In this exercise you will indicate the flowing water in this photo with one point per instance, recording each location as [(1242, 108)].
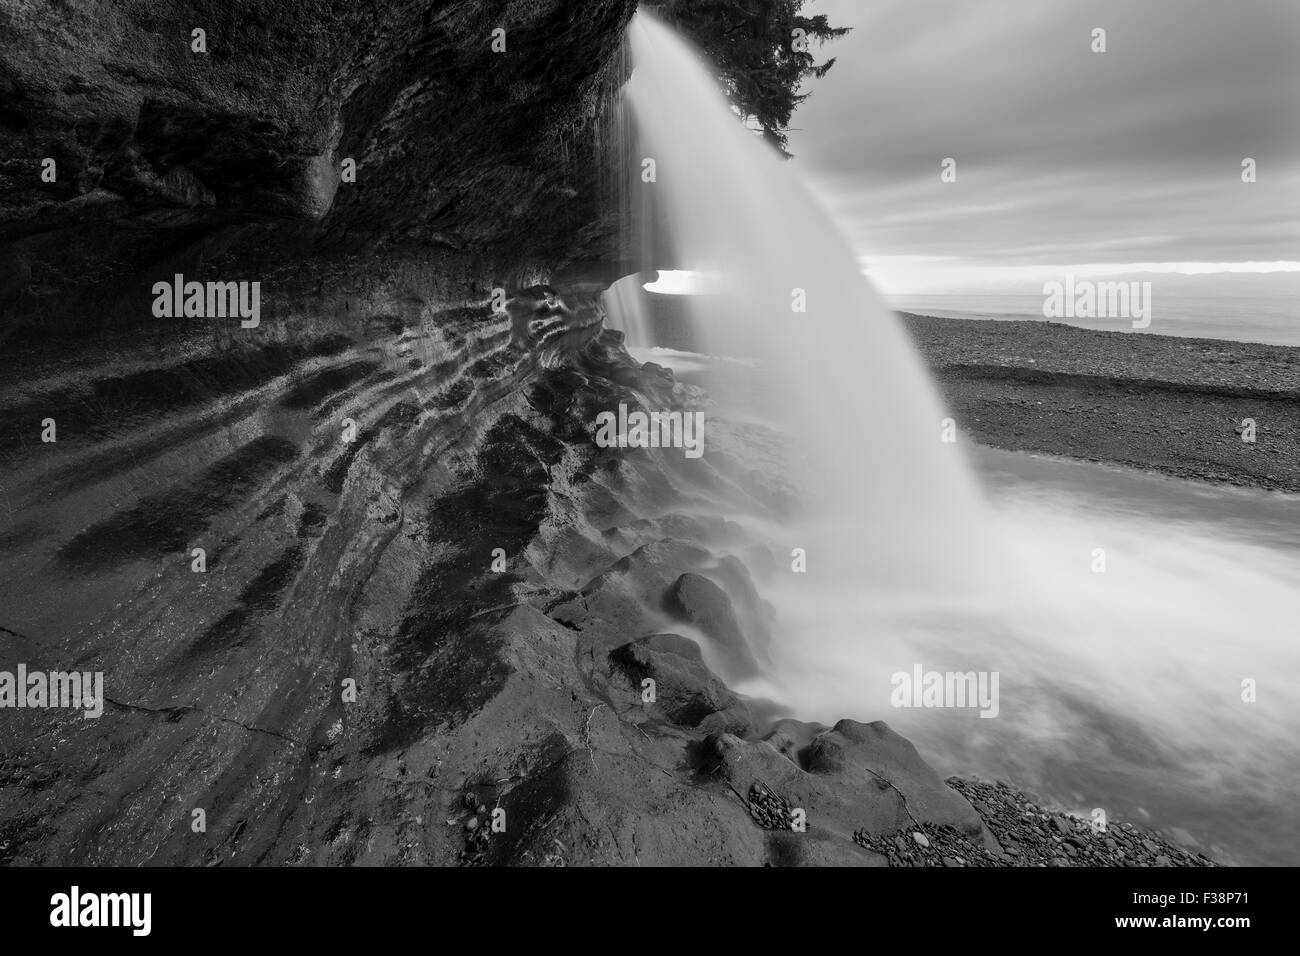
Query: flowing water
[(893, 499), (1122, 613)]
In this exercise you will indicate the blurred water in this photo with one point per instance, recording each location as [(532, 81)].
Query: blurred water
[(625, 309), (880, 488), (1119, 688)]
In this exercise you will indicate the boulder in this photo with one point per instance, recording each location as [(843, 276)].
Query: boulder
[(873, 756), (791, 738), (686, 691), (698, 601)]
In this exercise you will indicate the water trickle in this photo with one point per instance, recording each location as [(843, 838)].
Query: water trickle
[(626, 311)]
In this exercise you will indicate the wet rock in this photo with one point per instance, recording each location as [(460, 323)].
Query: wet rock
[(792, 737), (873, 756), (686, 691), (753, 614), (698, 601), (624, 597), (721, 744)]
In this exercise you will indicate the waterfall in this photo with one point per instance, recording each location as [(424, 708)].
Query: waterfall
[(1121, 685), (887, 502)]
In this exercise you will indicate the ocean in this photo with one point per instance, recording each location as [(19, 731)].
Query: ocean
[(1271, 320)]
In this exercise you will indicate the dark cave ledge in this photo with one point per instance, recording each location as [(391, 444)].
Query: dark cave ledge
[(474, 168), (369, 560)]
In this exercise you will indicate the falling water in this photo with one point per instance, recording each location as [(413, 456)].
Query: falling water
[(1119, 689), (896, 536), (894, 500), (625, 306)]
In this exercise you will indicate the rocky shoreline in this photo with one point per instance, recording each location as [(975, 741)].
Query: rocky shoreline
[(362, 587), (1161, 403), (500, 714), (1029, 835)]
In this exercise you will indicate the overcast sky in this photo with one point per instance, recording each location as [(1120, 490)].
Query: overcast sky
[(1064, 157)]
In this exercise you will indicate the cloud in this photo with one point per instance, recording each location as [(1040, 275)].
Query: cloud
[(1063, 155)]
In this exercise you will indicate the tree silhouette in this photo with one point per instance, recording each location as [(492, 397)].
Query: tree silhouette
[(761, 50)]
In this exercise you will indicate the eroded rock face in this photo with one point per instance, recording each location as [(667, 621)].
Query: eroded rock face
[(355, 678), (358, 577), (229, 163)]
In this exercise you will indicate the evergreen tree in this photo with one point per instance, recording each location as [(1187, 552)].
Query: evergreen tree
[(762, 51)]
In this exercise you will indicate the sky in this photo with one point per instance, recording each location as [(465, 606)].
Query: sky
[(1064, 158)]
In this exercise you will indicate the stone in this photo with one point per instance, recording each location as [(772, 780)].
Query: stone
[(686, 691), (698, 601), (873, 755)]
